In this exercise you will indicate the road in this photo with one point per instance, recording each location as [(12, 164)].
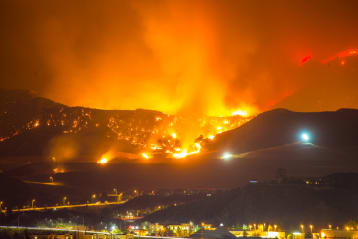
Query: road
[(107, 234), (97, 204)]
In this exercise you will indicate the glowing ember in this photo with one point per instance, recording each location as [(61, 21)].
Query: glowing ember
[(37, 123), (145, 155), (242, 113), (340, 55), (182, 154), (305, 59), (103, 160)]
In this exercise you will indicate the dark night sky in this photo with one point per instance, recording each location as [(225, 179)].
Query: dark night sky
[(171, 55)]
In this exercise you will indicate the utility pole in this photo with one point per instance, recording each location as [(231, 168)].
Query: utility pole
[(18, 220)]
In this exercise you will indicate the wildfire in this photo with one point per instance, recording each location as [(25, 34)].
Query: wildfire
[(242, 113), (145, 155), (340, 55), (305, 59), (184, 153), (103, 160)]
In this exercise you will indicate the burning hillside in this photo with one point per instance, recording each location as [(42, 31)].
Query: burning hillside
[(142, 133)]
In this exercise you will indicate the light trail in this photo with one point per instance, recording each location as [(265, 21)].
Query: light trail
[(162, 237), (54, 229), (68, 206), (83, 231)]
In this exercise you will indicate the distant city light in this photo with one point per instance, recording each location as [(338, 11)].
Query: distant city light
[(226, 156), (221, 224)]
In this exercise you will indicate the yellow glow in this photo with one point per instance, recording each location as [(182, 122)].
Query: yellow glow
[(103, 160), (272, 234), (58, 170), (145, 155), (242, 113), (211, 137), (227, 156), (182, 154), (174, 135)]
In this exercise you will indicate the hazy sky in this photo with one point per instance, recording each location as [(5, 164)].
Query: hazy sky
[(207, 57)]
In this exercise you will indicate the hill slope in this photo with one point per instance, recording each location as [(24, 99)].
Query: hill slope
[(288, 205), (335, 130)]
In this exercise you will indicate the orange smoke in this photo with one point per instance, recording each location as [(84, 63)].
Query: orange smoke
[(169, 66), (202, 57)]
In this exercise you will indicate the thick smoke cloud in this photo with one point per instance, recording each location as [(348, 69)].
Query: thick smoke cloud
[(202, 56)]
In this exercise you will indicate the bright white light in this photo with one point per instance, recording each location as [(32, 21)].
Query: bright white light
[(242, 113), (102, 161), (211, 137), (226, 156), (305, 137), (113, 227), (272, 234), (145, 155), (221, 224)]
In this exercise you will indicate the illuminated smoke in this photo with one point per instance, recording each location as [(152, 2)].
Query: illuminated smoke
[(199, 57)]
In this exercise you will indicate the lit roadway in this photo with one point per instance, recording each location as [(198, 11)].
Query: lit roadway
[(97, 204), (52, 229), (84, 232)]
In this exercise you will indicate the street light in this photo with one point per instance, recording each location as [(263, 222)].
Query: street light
[(305, 137), (226, 156), (311, 227), (64, 200), (302, 227)]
